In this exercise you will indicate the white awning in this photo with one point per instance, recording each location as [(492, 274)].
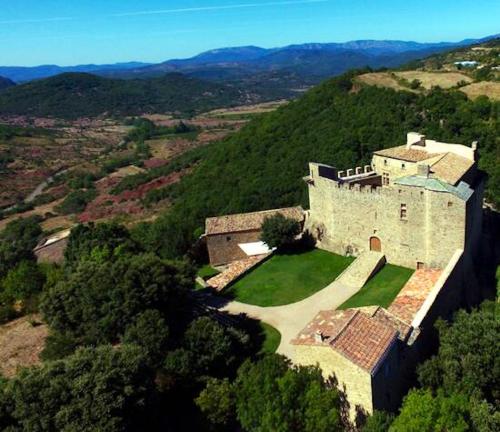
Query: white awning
[(256, 248)]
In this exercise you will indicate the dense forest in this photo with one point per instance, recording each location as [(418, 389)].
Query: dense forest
[(73, 95), (262, 166)]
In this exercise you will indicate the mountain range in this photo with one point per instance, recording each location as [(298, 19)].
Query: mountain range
[(317, 60)]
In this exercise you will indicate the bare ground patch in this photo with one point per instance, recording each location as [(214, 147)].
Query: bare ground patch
[(381, 79), (483, 88), (432, 79), (21, 342)]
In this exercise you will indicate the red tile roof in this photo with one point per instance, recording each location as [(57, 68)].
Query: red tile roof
[(365, 341), (362, 338), (411, 298), (248, 221), (406, 154)]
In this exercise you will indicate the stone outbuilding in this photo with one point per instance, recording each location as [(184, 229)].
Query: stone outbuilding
[(236, 237)]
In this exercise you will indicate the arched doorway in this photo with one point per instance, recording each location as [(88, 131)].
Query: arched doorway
[(375, 244)]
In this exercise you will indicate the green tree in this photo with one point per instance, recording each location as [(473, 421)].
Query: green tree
[(98, 300), (279, 231), (272, 395), (150, 332), (111, 238), (217, 403), (468, 358), (422, 412), (208, 349), (22, 282), (96, 389), (379, 421), (17, 241)]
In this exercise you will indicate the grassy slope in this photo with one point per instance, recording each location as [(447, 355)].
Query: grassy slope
[(382, 289), (285, 279)]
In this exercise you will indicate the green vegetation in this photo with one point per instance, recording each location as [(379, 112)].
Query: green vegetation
[(272, 339), (381, 289), (279, 231), (207, 271), (73, 95), (76, 201), (288, 278), (273, 395), (261, 167), (460, 385)]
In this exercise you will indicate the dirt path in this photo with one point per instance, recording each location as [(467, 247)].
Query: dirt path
[(291, 319)]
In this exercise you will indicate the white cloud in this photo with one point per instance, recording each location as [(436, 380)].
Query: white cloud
[(215, 8)]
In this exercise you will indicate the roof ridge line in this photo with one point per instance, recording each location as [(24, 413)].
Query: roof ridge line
[(356, 312)]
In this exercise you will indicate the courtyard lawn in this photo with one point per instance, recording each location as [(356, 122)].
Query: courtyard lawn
[(272, 339), (382, 289), (288, 278), (206, 272)]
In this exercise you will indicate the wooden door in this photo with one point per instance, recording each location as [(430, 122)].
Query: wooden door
[(375, 244)]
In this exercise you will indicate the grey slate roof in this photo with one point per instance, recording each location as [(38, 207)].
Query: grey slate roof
[(462, 191)]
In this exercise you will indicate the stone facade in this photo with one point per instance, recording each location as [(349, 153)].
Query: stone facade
[(418, 219), (420, 205), (223, 248)]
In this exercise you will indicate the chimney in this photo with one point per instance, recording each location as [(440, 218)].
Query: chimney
[(423, 170), (414, 138), (474, 149), (318, 336)]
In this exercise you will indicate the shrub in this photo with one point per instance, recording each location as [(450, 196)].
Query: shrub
[(279, 231)]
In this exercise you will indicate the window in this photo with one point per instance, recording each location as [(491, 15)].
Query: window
[(228, 238), (403, 212), (420, 265), (450, 204), (385, 161), (403, 166), (385, 178)]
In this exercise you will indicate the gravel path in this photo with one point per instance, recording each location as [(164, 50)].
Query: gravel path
[(291, 319)]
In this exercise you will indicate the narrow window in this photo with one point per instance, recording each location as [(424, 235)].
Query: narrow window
[(403, 166), (450, 203), (385, 178), (228, 238), (385, 161), (403, 212)]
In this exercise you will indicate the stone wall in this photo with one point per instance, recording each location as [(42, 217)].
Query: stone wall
[(223, 248), (352, 379), (344, 216)]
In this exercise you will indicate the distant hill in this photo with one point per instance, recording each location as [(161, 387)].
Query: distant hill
[(6, 83), (326, 59), (317, 60), (73, 95), (25, 73)]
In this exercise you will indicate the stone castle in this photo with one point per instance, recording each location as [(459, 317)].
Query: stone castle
[(419, 206), (417, 203)]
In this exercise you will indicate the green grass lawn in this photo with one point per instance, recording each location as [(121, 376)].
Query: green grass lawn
[(272, 339), (288, 278), (206, 272), (382, 289)]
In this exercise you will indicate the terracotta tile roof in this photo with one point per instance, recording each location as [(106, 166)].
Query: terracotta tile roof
[(451, 168), (365, 340), (413, 295), (330, 323), (359, 336), (234, 271), (248, 221), (403, 153)]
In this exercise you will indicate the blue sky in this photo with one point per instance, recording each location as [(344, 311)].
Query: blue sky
[(68, 32)]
